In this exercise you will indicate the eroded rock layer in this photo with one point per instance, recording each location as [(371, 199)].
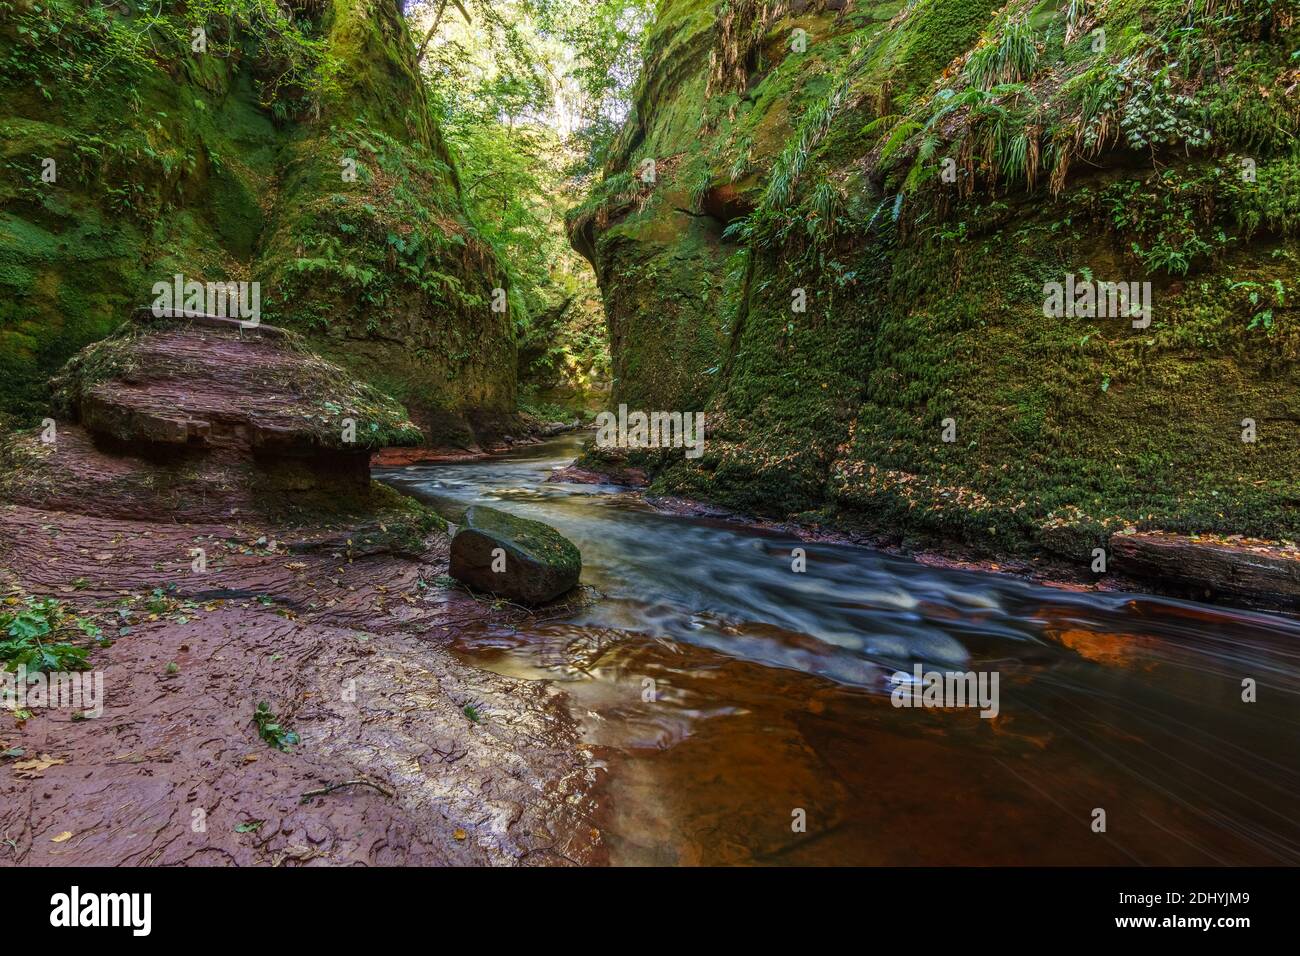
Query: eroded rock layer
[(204, 525)]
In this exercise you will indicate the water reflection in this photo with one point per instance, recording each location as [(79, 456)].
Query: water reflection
[(770, 694)]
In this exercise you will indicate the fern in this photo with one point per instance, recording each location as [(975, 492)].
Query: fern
[(1012, 57), (879, 124), (827, 205), (900, 135)]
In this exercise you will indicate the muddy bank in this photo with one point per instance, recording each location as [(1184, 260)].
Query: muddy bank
[(481, 769), (220, 547)]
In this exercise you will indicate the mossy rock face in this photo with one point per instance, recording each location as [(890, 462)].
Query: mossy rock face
[(517, 558), (335, 192), (861, 301)]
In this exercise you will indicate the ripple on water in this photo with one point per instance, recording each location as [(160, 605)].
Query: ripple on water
[(726, 691)]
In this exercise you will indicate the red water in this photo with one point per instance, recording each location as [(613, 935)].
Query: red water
[(770, 700)]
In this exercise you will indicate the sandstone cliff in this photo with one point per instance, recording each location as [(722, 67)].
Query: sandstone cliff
[(294, 149), (852, 216)]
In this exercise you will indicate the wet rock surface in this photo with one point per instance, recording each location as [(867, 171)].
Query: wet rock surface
[(517, 558), (208, 381), (1259, 573), (220, 574)]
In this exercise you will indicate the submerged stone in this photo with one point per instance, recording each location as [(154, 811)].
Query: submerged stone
[(517, 558)]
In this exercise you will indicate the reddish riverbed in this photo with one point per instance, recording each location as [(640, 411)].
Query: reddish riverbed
[(770, 699)]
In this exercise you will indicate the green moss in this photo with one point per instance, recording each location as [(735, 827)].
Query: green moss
[(537, 541), (925, 299), (226, 167), (405, 522)]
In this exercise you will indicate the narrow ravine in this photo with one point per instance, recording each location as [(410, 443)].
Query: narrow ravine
[(772, 694)]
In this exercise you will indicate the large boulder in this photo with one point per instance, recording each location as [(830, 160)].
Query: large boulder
[(535, 563), (197, 418), (203, 381)]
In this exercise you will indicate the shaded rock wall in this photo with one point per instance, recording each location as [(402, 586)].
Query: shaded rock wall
[(921, 171), (229, 165)]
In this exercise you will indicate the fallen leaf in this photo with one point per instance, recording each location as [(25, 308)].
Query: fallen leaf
[(460, 834), (65, 835), (31, 769)]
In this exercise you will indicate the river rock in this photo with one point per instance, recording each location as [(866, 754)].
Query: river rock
[(194, 418), (1262, 573), (536, 563)]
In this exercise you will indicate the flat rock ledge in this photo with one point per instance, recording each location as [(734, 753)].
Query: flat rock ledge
[(196, 418), (1259, 573)]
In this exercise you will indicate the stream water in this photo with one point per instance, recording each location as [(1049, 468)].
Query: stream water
[(731, 698)]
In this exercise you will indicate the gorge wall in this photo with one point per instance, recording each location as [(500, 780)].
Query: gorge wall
[(290, 145), (834, 227)]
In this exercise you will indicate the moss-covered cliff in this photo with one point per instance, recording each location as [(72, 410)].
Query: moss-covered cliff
[(289, 145), (919, 173)]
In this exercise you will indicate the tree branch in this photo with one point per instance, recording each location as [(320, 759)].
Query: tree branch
[(437, 19)]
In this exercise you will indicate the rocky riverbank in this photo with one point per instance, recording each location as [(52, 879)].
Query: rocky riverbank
[(204, 519), (834, 228)]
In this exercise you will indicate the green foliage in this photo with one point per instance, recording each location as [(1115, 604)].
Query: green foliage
[(826, 208), (1010, 58), (514, 191), (776, 218), (270, 729), (1032, 105), (602, 43), (925, 295), (373, 244), (1168, 221), (543, 410), (486, 86), (794, 159), (565, 355), (1271, 202), (1154, 113), (70, 50), (1263, 300), (37, 631), (486, 90)]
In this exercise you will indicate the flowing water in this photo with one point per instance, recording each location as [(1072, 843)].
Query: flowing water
[(746, 712)]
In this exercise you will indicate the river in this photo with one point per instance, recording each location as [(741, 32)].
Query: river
[(745, 711)]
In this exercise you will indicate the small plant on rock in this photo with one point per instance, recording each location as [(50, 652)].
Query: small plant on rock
[(270, 729), (33, 629)]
